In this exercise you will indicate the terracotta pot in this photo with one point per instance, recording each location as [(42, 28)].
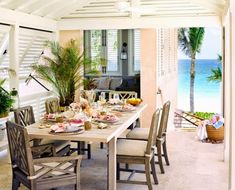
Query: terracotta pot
[(215, 134)]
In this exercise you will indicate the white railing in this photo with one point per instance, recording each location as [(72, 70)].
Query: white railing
[(37, 101)]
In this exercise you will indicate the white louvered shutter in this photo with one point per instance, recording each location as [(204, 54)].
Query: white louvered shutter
[(112, 50), (31, 45), (4, 51), (136, 50)]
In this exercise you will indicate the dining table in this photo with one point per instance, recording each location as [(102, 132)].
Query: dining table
[(108, 135)]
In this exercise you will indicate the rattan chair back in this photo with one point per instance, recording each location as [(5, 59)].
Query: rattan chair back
[(153, 131), (164, 120), (52, 105), (24, 116), (20, 152)]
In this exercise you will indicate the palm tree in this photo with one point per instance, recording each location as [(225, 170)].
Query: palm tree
[(64, 69), (216, 74), (190, 41)]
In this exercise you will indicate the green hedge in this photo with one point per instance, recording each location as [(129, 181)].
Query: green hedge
[(204, 115)]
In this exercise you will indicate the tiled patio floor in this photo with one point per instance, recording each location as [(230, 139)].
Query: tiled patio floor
[(194, 166)]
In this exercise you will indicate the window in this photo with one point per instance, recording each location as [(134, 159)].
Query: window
[(102, 46), (136, 50), (95, 44), (112, 50)]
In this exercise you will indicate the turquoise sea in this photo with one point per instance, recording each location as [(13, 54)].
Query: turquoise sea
[(207, 94)]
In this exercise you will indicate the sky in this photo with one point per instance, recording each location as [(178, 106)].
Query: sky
[(211, 45)]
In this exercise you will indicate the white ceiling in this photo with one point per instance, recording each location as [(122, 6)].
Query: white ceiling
[(87, 9)]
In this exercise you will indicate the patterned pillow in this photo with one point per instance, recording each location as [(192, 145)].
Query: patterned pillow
[(114, 83), (104, 83)]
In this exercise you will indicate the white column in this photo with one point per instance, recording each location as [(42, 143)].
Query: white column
[(227, 86), (14, 55), (232, 103)]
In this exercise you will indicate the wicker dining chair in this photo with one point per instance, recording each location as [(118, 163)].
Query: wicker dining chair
[(142, 134), (52, 105), (123, 94), (24, 116), (41, 173), (139, 152)]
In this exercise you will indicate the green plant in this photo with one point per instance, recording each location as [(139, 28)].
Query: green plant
[(190, 41), (6, 101), (64, 69), (89, 84), (204, 115), (216, 74)]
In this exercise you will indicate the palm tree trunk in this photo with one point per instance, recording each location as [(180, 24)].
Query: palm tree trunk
[(192, 81)]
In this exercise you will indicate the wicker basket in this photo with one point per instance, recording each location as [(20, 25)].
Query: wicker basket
[(215, 134)]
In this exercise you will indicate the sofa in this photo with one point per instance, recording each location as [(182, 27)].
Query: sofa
[(124, 83), (130, 83)]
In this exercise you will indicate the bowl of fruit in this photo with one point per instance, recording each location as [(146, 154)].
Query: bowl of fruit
[(134, 101)]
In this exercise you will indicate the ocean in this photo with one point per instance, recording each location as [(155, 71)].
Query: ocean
[(207, 95)]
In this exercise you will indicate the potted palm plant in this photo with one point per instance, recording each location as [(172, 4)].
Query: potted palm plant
[(6, 101), (64, 69)]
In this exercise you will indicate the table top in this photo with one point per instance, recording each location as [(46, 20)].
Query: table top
[(94, 134)]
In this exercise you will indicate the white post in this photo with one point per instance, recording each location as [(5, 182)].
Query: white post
[(14, 55), (232, 102)]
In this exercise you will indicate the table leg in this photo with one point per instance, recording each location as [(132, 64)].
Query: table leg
[(112, 164)]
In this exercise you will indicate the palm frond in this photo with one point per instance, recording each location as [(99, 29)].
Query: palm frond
[(196, 36), (183, 41), (216, 75)]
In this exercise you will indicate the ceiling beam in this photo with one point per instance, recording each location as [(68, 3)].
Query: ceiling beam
[(67, 9), (23, 19), (207, 4), (26, 4), (5, 2), (135, 3), (129, 23), (14, 4), (45, 6)]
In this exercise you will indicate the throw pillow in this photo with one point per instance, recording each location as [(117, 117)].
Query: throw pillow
[(114, 83), (104, 83)]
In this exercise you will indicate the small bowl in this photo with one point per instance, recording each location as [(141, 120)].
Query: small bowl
[(134, 102)]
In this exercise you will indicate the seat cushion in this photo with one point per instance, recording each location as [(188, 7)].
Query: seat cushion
[(58, 144), (131, 147), (114, 83), (104, 83), (138, 133)]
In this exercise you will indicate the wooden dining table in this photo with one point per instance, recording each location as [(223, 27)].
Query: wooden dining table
[(108, 135)]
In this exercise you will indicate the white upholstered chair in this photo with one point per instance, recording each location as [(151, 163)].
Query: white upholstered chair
[(142, 134), (139, 152)]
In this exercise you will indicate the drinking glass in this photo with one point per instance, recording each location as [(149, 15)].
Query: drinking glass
[(116, 96)]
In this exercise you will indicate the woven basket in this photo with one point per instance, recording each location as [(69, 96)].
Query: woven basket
[(215, 134)]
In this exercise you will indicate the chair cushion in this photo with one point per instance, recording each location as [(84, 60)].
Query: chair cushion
[(58, 144), (104, 83), (131, 147), (114, 83), (138, 133)]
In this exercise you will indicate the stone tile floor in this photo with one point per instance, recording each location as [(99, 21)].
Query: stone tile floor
[(193, 166)]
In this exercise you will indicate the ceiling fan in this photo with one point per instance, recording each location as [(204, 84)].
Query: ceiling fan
[(125, 6)]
